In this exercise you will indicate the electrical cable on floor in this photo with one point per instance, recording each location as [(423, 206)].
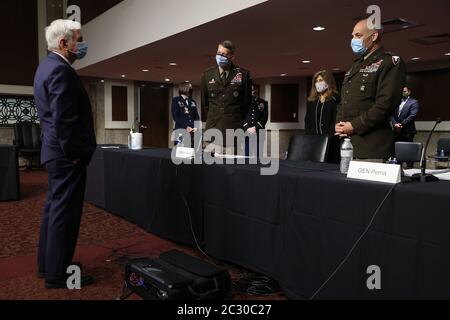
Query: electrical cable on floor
[(355, 244), (188, 210)]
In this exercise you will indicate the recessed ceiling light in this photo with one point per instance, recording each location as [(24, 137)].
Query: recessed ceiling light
[(447, 54), (102, 81), (319, 28), (415, 58), (283, 75), (123, 76), (162, 86), (173, 64), (145, 70), (306, 61), (336, 69), (167, 80)]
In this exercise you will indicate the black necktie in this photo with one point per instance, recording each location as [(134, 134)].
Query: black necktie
[(224, 77)]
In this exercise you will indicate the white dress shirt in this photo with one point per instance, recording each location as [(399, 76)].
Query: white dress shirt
[(402, 105), (65, 59)]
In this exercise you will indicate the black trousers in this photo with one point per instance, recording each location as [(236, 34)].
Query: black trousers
[(62, 217)]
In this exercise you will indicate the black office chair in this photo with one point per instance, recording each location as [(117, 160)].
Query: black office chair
[(409, 152), (308, 148), (27, 139)]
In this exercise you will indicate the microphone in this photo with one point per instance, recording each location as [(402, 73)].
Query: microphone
[(423, 176)]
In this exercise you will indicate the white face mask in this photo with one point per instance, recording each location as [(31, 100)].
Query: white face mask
[(321, 86)]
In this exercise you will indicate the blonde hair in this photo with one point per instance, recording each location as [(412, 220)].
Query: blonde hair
[(329, 79)]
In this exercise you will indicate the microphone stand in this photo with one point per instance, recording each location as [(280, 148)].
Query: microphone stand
[(423, 176)]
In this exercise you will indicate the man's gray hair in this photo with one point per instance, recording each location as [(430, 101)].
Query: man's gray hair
[(58, 30)]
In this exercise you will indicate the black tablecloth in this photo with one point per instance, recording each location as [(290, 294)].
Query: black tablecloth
[(296, 226), (146, 188), (9, 174)]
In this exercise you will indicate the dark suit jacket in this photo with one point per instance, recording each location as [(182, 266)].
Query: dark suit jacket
[(408, 116), (64, 111), (184, 113)]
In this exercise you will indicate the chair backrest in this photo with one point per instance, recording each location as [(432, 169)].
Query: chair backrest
[(27, 135), (408, 151), (308, 148), (444, 144)]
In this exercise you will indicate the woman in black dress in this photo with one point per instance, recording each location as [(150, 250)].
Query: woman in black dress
[(321, 111)]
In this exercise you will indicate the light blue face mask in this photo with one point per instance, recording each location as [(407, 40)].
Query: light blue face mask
[(358, 47), (82, 49), (222, 61)]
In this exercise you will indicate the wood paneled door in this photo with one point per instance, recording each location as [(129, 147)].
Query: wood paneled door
[(154, 114)]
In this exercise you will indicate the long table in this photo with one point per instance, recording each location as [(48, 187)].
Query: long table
[(295, 227), (146, 188), (9, 173)]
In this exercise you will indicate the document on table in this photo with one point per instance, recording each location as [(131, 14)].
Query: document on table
[(441, 174), (230, 156)]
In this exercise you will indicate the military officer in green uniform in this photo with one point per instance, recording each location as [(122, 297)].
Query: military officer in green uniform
[(226, 92), (371, 91)]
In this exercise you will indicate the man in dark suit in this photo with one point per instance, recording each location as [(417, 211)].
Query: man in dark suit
[(68, 142), (404, 117), (226, 93)]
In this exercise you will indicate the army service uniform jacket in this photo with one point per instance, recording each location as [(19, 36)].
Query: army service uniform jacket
[(371, 91), (226, 104), (258, 115)]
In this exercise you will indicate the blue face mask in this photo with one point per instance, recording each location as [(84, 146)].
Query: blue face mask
[(358, 47), (82, 49), (222, 61)]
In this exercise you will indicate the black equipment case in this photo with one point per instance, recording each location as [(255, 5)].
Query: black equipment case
[(176, 276)]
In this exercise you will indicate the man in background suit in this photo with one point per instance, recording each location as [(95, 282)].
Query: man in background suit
[(404, 117), (68, 142)]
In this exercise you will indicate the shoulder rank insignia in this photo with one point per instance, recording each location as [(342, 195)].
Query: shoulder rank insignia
[(395, 60), (261, 107)]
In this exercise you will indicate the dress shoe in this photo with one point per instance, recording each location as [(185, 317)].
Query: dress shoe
[(41, 275), (62, 284)]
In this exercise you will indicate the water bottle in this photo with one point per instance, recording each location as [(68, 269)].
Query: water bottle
[(180, 141), (346, 155), (442, 154)]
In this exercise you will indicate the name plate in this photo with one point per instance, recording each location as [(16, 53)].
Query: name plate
[(185, 153), (379, 172)]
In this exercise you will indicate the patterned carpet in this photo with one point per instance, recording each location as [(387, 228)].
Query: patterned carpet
[(105, 243)]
